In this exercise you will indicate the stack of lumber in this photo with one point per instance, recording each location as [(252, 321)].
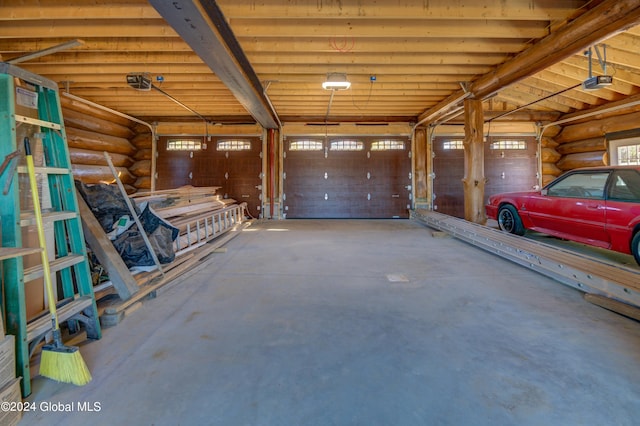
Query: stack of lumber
[(192, 210), (206, 222), (178, 202)]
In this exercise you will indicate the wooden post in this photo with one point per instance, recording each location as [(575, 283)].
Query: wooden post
[(271, 171), (422, 200), (474, 180)]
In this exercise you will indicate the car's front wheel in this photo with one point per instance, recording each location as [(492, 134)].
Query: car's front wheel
[(509, 220), (635, 247)]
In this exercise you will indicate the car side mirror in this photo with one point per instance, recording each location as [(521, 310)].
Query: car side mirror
[(544, 192)]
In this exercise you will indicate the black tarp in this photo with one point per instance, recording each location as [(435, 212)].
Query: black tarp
[(108, 206)]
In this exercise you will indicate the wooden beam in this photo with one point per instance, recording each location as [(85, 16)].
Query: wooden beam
[(101, 44), (624, 78), (616, 306), (61, 9), (551, 86), (619, 107), (107, 255), (377, 28), (604, 20), (69, 29), (204, 28), (522, 95), (377, 58), (474, 180), (426, 45), (580, 74), (542, 10), (421, 166)]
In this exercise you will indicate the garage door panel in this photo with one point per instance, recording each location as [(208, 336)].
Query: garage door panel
[(448, 167), (173, 167), (510, 165), (345, 183)]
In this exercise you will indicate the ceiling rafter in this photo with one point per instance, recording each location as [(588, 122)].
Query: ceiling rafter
[(418, 52)]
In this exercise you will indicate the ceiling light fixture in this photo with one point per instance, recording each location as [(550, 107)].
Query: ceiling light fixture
[(336, 81)]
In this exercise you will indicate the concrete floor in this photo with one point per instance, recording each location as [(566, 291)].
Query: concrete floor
[(346, 322)]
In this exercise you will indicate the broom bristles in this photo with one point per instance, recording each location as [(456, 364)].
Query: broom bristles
[(64, 364)]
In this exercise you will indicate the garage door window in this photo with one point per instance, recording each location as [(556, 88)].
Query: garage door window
[(184, 145), (233, 145), (452, 144), (305, 145), (508, 144), (347, 145), (387, 145)]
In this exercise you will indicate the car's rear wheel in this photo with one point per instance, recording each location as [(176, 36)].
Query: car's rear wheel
[(635, 247), (509, 220)]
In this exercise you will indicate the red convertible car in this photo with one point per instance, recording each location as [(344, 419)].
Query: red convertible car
[(599, 206)]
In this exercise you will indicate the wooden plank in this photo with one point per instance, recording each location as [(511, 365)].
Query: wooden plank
[(56, 265), (11, 252), (191, 209), (43, 324), (133, 213), (120, 276), (582, 272), (184, 191), (613, 305)]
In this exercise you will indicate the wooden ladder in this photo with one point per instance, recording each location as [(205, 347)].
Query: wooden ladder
[(30, 107)]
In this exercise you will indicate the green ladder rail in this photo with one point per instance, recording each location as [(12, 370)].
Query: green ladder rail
[(22, 92)]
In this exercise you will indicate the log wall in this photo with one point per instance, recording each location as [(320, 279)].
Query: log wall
[(549, 158), (142, 166), (584, 144), (91, 132)]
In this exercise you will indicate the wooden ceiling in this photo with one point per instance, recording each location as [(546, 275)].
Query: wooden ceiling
[(404, 58)]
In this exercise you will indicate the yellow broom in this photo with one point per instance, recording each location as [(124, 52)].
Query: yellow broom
[(58, 362)]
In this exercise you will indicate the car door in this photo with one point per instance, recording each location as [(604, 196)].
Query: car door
[(573, 208), (623, 207)]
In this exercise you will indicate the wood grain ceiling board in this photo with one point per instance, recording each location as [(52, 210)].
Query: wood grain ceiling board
[(418, 51)]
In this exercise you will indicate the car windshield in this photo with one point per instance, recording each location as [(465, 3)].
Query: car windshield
[(580, 185)]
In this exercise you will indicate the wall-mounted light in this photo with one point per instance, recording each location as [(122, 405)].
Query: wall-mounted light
[(336, 81)]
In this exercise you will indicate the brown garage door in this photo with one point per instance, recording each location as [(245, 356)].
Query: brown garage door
[(510, 164), (347, 178), (234, 164), (448, 167), (174, 165)]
